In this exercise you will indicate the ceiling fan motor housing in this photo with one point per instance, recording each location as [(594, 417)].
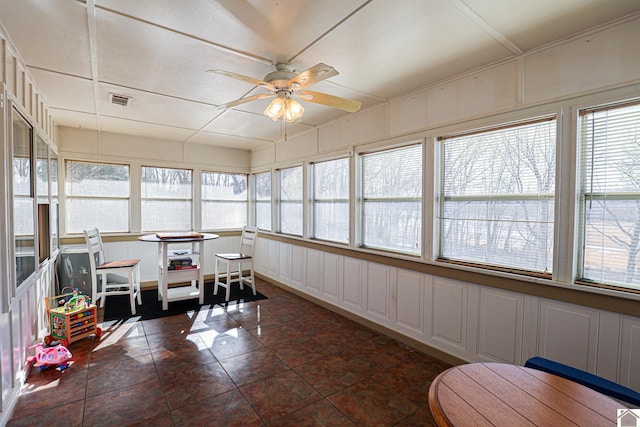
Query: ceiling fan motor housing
[(280, 78)]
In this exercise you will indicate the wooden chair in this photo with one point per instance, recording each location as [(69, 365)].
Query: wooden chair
[(99, 268), (234, 263)]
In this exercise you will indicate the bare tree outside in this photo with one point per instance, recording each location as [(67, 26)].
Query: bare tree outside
[(166, 199), (224, 200), (392, 199), (331, 200), (610, 195), (97, 196), (263, 200), (497, 196), (291, 187)]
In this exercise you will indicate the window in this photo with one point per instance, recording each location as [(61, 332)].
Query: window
[(224, 200), (610, 194), (23, 199), (166, 199), (331, 200), (496, 196), (291, 200), (263, 200), (97, 196), (42, 170), (392, 199), (54, 213)]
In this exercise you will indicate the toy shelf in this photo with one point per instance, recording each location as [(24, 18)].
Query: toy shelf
[(70, 324)]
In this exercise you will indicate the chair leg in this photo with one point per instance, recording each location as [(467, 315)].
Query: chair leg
[(216, 277), (132, 296), (138, 286), (228, 293), (253, 280), (240, 277), (103, 295)]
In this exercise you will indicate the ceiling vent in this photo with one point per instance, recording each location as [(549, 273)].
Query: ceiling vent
[(121, 100)]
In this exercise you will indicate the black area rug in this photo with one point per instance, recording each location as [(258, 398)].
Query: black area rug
[(117, 307)]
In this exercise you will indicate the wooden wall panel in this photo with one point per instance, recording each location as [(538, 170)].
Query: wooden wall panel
[(630, 353), (313, 266), (500, 325), (410, 302), (298, 267), (352, 279), (449, 313), (285, 262), (378, 305), (568, 334), (331, 274)]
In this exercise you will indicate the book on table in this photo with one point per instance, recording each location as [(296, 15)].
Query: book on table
[(179, 235)]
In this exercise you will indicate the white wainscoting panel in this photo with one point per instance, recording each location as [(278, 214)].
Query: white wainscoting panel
[(274, 258), (262, 255), (448, 310), (353, 284), (410, 302), (568, 334), (331, 275), (500, 317), (630, 353), (16, 314), (608, 345), (530, 328), (378, 302), (298, 270), (313, 265), (475, 323), (285, 262), (6, 346)]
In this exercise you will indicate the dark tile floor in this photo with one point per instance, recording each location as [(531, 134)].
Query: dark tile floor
[(282, 361)]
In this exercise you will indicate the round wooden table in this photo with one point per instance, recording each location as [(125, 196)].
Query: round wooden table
[(496, 394)]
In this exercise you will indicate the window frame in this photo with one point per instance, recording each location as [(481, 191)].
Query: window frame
[(362, 199), (257, 201), (440, 198), (314, 200), (189, 198), (282, 202), (223, 201), (18, 240), (69, 196), (585, 197)]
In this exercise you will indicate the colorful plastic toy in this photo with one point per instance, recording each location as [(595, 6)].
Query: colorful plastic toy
[(58, 355)]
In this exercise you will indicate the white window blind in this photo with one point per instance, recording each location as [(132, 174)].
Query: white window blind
[(263, 200), (224, 200), (610, 194), (166, 199), (496, 196), (291, 200), (392, 199), (331, 200), (97, 196)]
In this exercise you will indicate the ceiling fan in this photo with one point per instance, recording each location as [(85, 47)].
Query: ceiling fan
[(283, 83)]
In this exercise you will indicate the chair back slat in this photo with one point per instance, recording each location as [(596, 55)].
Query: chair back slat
[(248, 240)]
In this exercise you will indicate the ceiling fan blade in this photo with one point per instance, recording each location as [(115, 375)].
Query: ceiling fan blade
[(313, 75), (330, 100), (243, 78), (247, 99)]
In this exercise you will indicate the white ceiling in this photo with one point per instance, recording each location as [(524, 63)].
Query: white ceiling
[(158, 52)]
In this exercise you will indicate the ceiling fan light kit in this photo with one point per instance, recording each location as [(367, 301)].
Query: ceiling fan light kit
[(283, 84), (283, 106)]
